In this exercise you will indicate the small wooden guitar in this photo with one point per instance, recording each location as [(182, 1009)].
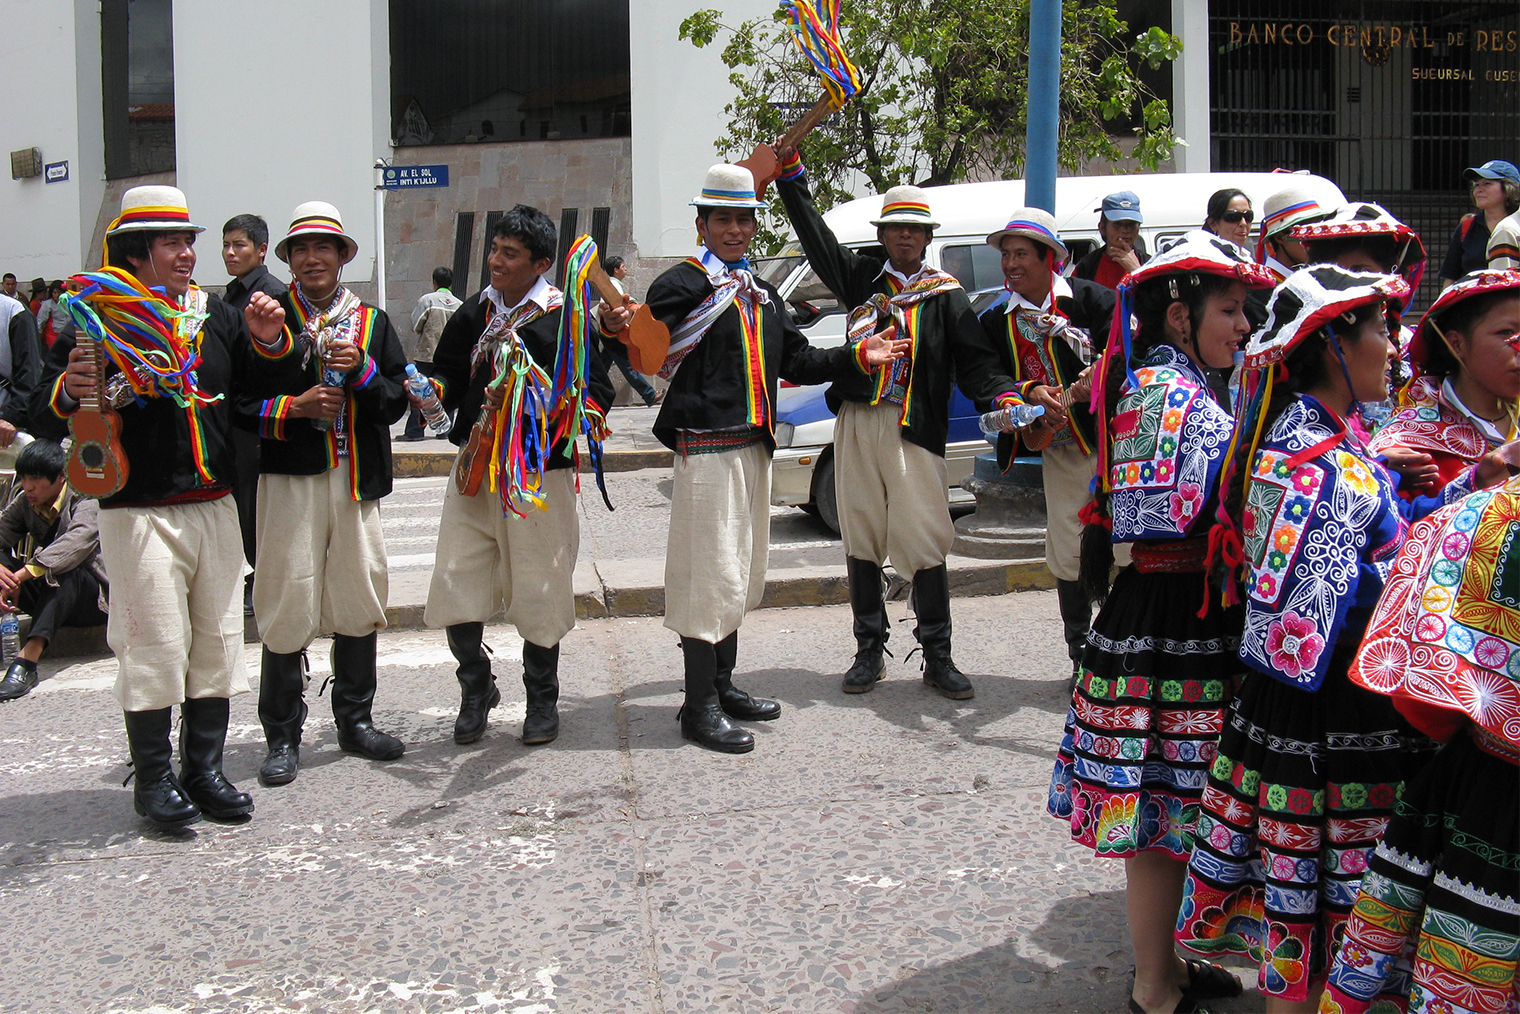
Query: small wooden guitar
[(1039, 434), (97, 465), (475, 456)]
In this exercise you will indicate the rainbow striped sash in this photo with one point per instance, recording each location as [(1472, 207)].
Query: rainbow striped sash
[(895, 384), (729, 286)]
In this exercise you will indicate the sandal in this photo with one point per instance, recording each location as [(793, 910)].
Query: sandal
[(1208, 981), (1187, 1005)]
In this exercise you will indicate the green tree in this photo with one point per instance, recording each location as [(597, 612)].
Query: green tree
[(944, 85)]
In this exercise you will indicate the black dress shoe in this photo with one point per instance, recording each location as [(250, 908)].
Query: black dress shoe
[(280, 767), (19, 680), (869, 668), (218, 798)]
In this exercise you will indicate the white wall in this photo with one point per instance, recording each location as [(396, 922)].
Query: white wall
[(1190, 86), (679, 93), (53, 104), (276, 103)]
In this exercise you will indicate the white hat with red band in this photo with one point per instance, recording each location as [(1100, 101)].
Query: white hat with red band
[(317, 218)]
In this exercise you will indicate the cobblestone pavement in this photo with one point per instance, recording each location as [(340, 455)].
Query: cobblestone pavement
[(887, 852)]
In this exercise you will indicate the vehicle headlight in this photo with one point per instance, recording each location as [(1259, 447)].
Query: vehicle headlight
[(784, 433)]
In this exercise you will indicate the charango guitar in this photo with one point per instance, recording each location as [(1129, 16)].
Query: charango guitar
[(97, 465)]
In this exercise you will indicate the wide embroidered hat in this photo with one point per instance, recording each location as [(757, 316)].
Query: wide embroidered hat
[(1198, 252), (1361, 218), (1312, 297), (158, 208), (906, 205), (728, 186), (1294, 205), (317, 218), (1478, 283), (1034, 223)]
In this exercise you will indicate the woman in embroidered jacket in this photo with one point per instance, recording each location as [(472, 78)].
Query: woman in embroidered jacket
[(1436, 926), (1462, 402), (1308, 765), (1155, 675)]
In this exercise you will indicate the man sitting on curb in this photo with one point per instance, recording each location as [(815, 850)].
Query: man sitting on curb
[(50, 566)]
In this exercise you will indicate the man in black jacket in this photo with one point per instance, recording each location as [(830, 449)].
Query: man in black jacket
[(245, 239), (1048, 332), (731, 336), (490, 558), (324, 415), (169, 534), (889, 441)]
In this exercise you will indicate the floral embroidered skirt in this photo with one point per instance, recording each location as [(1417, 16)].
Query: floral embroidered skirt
[(1436, 927), (1301, 789), (1145, 716)]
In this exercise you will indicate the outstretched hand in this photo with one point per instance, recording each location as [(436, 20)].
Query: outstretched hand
[(884, 346), (265, 317)]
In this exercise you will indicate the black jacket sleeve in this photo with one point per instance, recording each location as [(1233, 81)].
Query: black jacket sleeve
[(451, 357), (803, 364), (979, 370), (26, 368), (849, 275), (385, 393), (43, 421)]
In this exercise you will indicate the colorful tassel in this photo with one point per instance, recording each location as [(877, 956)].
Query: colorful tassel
[(154, 343), (815, 26)]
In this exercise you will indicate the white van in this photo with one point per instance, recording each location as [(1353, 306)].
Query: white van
[(1172, 203)]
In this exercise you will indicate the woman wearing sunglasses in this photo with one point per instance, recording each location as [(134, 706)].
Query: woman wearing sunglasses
[(1229, 216)]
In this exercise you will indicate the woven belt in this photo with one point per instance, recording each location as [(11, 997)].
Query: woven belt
[(1183, 556)]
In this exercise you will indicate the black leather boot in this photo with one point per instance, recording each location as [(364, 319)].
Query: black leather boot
[(282, 713), (157, 794), (541, 680), (701, 716), (931, 605), (735, 702), (202, 735), (1076, 616), (353, 699), (477, 687), (869, 606)]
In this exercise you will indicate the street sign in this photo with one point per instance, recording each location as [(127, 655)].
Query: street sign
[(399, 177), (56, 172)]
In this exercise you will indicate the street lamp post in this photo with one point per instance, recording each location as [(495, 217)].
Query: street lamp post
[(1041, 119)]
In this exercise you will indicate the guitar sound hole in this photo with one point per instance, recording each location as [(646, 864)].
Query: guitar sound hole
[(93, 456)]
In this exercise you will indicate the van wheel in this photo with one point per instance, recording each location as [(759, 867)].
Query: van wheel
[(824, 500)]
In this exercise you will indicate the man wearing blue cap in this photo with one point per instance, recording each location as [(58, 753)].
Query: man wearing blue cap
[(1495, 189), (1122, 250)]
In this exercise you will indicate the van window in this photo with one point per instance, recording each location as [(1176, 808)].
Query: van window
[(974, 265), (811, 299)]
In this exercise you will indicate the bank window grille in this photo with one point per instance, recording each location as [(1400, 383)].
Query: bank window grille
[(1391, 100)]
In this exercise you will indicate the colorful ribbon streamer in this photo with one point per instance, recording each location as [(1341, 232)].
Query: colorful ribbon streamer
[(815, 26), (154, 343), (520, 441), (571, 414)]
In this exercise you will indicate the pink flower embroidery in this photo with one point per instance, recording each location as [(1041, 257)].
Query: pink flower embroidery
[(1164, 471), (1293, 644), (1185, 503)]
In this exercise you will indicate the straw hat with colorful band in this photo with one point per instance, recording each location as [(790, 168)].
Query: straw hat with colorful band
[(161, 209), (1478, 283), (317, 218), (1312, 297), (905, 206), (1297, 205), (1034, 223), (728, 186)]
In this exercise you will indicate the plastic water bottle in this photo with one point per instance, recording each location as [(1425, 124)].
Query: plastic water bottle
[(422, 389), (332, 378), (1016, 416), (10, 637), (1239, 359)]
